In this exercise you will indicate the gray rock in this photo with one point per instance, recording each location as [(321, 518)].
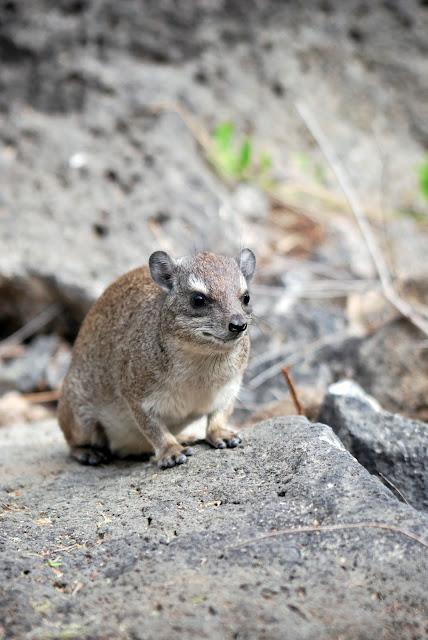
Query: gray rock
[(58, 366), (389, 445), (250, 202), (296, 336), (126, 551), (27, 372), (95, 169), (391, 364)]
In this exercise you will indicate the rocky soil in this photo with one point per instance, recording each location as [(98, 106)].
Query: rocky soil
[(127, 551)]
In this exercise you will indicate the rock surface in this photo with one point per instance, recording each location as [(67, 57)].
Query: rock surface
[(128, 552), (98, 168), (386, 444), (96, 163), (391, 364), (35, 368)]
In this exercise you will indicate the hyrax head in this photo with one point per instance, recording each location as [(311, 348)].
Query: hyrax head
[(207, 303)]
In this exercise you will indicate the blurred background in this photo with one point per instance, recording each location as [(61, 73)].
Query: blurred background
[(127, 127)]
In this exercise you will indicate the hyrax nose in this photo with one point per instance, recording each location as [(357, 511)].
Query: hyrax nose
[(237, 324)]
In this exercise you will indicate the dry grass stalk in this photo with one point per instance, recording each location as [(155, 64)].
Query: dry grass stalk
[(42, 397), (199, 132), (384, 275), (296, 356), (204, 140), (394, 486), (293, 391), (332, 527)]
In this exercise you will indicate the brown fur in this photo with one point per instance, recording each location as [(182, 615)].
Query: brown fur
[(143, 367)]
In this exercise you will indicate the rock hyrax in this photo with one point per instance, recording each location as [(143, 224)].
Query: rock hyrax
[(163, 346)]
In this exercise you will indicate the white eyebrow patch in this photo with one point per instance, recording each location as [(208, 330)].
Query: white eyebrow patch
[(243, 282), (196, 284)]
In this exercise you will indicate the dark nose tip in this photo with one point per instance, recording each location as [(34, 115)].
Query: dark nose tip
[(237, 324)]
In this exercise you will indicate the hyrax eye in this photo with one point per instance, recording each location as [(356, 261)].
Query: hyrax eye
[(198, 300), (246, 298)]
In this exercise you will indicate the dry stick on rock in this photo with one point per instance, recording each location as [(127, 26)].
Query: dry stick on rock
[(293, 391), (332, 527), (394, 486), (381, 267)]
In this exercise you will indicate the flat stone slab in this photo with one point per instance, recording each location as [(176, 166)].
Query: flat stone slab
[(212, 549)]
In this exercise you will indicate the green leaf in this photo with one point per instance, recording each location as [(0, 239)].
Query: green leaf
[(225, 161), (423, 178), (54, 563), (244, 158), (223, 135), (230, 164), (234, 157)]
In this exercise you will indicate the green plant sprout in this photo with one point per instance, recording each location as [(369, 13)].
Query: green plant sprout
[(423, 178), (55, 564), (235, 159)]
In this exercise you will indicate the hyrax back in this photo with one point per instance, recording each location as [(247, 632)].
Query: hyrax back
[(163, 346)]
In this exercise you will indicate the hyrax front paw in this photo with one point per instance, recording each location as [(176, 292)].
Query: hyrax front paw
[(221, 438), (172, 455)]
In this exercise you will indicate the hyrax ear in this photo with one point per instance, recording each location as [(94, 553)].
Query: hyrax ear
[(162, 268), (247, 263)]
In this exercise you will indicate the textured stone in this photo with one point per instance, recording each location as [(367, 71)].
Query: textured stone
[(97, 164), (27, 372), (389, 445), (126, 551), (99, 169)]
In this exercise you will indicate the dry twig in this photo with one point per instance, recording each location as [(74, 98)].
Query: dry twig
[(293, 391), (394, 486), (196, 129), (300, 353), (204, 140), (381, 267), (43, 396), (332, 527)]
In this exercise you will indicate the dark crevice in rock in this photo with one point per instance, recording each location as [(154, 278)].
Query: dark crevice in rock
[(21, 300), (11, 52)]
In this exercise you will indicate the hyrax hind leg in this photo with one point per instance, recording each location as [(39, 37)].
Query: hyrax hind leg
[(84, 434)]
